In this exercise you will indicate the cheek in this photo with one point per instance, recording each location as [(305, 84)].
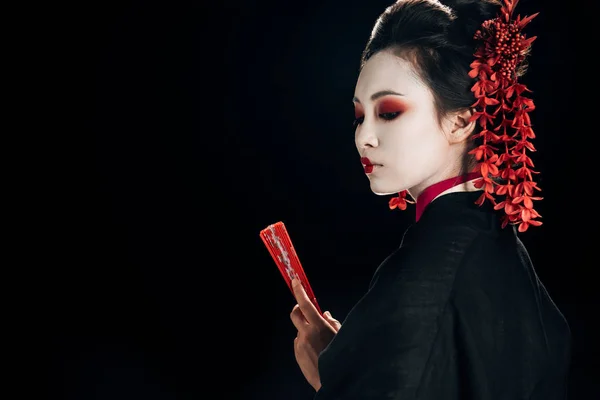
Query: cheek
[(417, 141), (416, 133)]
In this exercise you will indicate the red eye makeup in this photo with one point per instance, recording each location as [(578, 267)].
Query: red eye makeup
[(358, 112), (391, 106)]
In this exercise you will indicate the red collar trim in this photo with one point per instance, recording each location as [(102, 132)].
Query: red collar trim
[(434, 190)]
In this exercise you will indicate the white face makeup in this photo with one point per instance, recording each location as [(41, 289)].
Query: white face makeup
[(400, 132)]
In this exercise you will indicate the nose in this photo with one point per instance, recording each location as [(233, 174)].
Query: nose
[(366, 137)]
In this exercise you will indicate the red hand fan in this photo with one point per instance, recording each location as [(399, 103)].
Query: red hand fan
[(278, 242)]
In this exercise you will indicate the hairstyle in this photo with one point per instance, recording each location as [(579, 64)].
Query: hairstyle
[(438, 38)]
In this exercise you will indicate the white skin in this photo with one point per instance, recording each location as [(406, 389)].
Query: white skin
[(315, 332), (413, 151)]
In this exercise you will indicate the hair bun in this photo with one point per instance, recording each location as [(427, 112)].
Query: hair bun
[(470, 14)]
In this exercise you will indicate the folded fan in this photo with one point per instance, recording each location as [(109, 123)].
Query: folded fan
[(278, 242)]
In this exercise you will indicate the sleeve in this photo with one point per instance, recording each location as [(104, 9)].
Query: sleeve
[(401, 332)]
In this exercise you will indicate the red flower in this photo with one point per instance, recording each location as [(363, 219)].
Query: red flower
[(486, 183), (506, 189), (401, 201), (483, 86), (483, 118), (485, 196), (480, 69), (527, 187), (489, 166), (483, 150)]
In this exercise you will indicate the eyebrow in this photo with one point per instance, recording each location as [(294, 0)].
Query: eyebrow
[(379, 94)]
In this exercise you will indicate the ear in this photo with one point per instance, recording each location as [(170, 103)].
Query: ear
[(460, 126)]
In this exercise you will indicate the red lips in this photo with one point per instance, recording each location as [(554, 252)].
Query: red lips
[(368, 165)]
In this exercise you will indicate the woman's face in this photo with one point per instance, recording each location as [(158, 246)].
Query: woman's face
[(397, 129)]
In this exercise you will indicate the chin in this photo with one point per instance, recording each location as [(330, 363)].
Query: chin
[(384, 193), (379, 191)]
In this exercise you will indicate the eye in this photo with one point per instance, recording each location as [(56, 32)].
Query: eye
[(385, 116), (389, 116)]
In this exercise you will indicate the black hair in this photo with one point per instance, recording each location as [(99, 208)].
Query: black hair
[(438, 38)]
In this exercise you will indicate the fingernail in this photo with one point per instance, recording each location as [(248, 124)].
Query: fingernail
[(328, 314)]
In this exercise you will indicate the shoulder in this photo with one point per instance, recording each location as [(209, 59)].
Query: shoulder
[(453, 237), (425, 268), (432, 261), (434, 248), (453, 232)]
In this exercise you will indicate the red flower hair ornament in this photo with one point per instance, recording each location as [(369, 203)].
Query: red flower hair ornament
[(502, 112)]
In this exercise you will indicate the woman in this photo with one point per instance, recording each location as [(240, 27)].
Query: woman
[(457, 311)]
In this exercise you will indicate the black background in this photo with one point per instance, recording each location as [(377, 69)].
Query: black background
[(203, 123)]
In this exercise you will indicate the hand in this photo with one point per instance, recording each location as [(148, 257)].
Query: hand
[(315, 332)]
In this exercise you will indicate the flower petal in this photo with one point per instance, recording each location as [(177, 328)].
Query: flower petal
[(523, 226)]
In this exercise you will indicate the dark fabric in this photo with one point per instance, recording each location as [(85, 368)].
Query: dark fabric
[(456, 312)]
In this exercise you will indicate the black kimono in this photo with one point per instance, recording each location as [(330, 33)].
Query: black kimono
[(456, 312)]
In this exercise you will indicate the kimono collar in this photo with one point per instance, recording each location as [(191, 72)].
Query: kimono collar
[(434, 190)]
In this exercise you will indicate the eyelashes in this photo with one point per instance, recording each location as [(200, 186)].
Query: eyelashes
[(388, 116)]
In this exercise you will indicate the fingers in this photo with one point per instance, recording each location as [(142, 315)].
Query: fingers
[(332, 321), (298, 319), (306, 306), (329, 317)]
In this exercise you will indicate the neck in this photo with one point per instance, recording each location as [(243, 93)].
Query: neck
[(454, 163), (461, 183), (468, 186)]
